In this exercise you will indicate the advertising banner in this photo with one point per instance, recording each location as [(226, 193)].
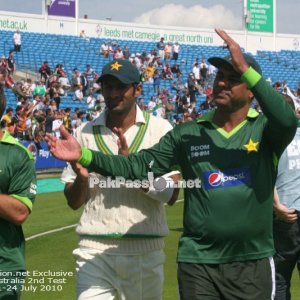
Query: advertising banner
[(260, 15), (64, 8), (42, 155)]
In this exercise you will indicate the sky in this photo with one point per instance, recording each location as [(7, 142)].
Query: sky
[(227, 14)]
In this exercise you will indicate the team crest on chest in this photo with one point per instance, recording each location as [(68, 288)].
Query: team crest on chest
[(252, 146)]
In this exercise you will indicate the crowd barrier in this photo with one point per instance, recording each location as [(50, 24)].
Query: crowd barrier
[(43, 157)]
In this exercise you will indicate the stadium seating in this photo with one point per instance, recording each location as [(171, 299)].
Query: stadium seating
[(73, 51)]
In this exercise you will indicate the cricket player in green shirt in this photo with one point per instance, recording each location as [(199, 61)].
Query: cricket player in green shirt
[(17, 193), (225, 251)]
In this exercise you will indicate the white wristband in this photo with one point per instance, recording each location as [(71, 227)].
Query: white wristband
[(162, 189)]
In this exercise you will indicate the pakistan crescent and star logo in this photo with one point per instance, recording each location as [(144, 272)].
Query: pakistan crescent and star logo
[(115, 66), (251, 146)]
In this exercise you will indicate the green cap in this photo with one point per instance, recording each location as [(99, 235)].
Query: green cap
[(123, 70), (219, 61)]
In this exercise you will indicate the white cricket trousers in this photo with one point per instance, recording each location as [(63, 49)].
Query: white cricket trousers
[(102, 276)]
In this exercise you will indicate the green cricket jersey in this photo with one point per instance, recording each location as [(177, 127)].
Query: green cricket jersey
[(17, 179), (230, 217)]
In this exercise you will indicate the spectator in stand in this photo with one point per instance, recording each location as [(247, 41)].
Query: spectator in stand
[(151, 56), (186, 99), (203, 71), (113, 46), (38, 131), (178, 83), (126, 52), (194, 113), (143, 74), (39, 89), (195, 62), (22, 102), (8, 115), (3, 66), (157, 63), (169, 109), (176, 49), (144, 56), (150, 69), (17, 88), (161, 48), (81, 115), (277, 86), (91, 100), (52, 105), (138, 61), (100, 102), (192, 88), (168, 51), (159, 110), (9, 126), (45, 71), (38, 102), (56, 98), (105, 50), (29, 87), (59, 71), (167, 72), (97, 85), (164, 95), (118, 54), (54, 88), (64, 83), (90, 76), (176, 99), (211, 71), (156, 82), (83, 35), (22, 132), (152, 103), (17, 41), (78, 94), (141, 104), (132, 58), (57, 123), (175, 69), (79, 79), (11, 64), (196, 71), (67, 119)]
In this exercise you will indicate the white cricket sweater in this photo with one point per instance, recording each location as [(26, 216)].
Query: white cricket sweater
[(121, 220)]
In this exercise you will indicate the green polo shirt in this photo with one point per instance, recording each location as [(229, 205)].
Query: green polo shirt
[(230, 217), (17, 179)]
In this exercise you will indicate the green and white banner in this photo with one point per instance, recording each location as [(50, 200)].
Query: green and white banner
[(261, 15)]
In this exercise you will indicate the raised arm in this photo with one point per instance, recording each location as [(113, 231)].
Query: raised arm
[(282, 122)]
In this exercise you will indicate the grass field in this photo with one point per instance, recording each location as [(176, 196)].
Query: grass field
[(53, 252)]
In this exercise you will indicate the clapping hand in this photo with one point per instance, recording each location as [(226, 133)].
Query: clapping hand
[(66, 148)]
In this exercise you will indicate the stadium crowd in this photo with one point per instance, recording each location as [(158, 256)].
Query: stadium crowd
[(38, 102)]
